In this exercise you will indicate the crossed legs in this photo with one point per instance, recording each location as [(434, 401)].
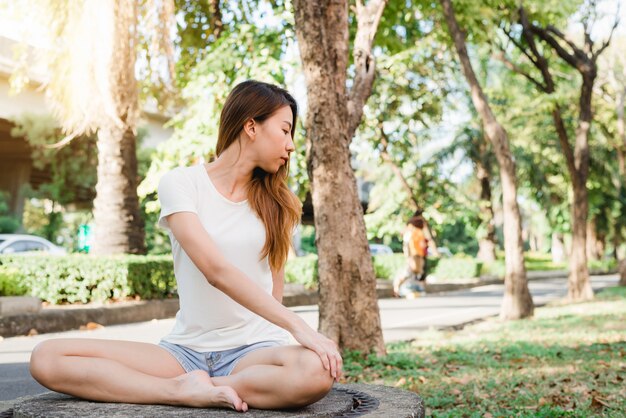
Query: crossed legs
[(131, 372)]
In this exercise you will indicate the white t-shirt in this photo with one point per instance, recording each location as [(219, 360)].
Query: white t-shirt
[(209, 320)]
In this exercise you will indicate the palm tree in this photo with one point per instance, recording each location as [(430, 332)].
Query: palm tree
[(93, 88)]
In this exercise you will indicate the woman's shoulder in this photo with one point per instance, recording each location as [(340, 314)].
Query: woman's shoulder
[(180, 178), (182, 173)]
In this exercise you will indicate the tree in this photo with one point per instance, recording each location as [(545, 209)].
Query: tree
[(584, 60), (408, 97), (517, 301), (613, 90), (348, 305), (93, 88), (472, 142)]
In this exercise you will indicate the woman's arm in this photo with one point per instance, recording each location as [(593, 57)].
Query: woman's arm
[(198, 245), (278, 279)]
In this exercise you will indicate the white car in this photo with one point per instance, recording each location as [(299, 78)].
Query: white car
[(380, 249), (17, 243)]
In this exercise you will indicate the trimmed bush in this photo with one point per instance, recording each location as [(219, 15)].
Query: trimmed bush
[(11, 282), (493, 268), (602, 266), (387, 266), (83, 278), (302, 270), (456, 268)]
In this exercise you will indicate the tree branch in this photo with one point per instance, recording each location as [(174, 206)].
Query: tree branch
[(368, 19), (564, 38), (564, 141), (566, 56), (511, 66), (519, 46), (541, 63), (606, 43)]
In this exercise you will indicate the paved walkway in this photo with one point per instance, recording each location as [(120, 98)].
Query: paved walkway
[(401, 319)]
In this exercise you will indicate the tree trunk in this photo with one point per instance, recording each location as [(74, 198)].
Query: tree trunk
[(593, 246), (557, 248), (579, 285), (486, 244), (621, 133), (517, 301), (621, 155), (348, 304), (119, 227)]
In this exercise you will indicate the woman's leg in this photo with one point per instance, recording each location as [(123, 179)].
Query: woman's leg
[(124, 371), (279, 377)]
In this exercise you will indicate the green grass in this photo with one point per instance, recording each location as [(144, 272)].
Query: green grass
[(568, 360), (543, 262)]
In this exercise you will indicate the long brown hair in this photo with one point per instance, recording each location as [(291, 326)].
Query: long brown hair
[(278, 207)]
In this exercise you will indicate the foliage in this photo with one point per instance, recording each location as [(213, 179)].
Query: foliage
[(83, 278), (9, 223), (307, 239), (387, 266), (456, 268), (408, 99), (566, 361), (11, 282), (302, 270), (72, 167), (226, 63)]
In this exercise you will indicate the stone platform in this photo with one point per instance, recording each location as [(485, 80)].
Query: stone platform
[(343, 401)]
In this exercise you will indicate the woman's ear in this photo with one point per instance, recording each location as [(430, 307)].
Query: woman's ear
[(250, 128)]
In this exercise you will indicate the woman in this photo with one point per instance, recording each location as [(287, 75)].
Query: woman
[(230, 224)]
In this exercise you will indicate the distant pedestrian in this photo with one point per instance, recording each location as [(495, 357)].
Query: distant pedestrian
[(415, 248)]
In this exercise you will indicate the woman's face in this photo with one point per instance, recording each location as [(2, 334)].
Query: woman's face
[(273, 140)]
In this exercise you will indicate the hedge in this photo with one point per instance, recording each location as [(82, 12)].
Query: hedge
[(83, 278), (302, 270)]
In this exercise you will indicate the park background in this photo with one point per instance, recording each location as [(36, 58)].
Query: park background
[(141, 90)]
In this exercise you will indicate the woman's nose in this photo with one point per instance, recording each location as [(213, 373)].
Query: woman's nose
[(290, 146)]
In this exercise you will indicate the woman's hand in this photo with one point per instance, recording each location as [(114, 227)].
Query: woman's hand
[(324, 347)]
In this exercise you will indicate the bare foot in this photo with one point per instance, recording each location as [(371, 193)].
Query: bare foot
[(196, 389)]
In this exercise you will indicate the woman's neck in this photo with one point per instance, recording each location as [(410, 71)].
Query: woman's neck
[(231, 172)]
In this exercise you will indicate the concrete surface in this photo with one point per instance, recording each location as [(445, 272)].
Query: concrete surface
[(342, 401)]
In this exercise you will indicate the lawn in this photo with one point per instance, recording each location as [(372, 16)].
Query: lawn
[(569, 360)]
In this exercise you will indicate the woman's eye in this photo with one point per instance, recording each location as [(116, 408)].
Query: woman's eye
[(286, 132)]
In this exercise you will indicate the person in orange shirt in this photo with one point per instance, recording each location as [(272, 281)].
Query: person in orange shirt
[(415, 248)]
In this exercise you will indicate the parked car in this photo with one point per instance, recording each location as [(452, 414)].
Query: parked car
[(376, 249), (19, 243)]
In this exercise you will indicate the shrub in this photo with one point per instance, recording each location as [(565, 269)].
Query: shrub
[(83, 278), (493, 268), (457, 268), (302, 270), (602, 266), (387, 266), (11, 282)]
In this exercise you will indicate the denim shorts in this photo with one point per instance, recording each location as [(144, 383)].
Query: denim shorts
[(215, 363)]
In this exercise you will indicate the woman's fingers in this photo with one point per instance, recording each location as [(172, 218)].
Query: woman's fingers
[(333, 357), (331, 362), (327, 351), (339, 366), (325, 360)]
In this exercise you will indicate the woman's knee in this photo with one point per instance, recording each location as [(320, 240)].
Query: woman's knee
[(317, 381), (43, 360)]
